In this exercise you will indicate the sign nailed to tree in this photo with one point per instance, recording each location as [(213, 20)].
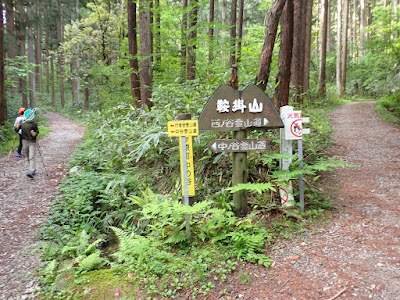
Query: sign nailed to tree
[(232, 110)]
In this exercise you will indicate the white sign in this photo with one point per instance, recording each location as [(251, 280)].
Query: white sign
[(293, 122)]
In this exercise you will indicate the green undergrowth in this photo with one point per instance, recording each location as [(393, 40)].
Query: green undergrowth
[(119, 218), (389, 108)]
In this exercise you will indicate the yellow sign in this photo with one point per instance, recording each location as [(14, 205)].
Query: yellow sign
[(190, 166), (183, 128)]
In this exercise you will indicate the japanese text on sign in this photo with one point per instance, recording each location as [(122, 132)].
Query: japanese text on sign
[(242, 123), (190, 166), (224, 106), (183, 128), (239, 145)]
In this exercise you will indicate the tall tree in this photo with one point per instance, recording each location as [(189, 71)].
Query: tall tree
[(281, 96), (324, 33), (158, 31), (31, 56), (307, 44), (184, 39), (240, 30), (191, 49), (133, 52), (269, 42), (21, 29), (3, 102), (233, 33), (60, 30), (338, 42), (145, 54), (298, 50), (211, 32), (344, 51), (38, 51), (11, 34)]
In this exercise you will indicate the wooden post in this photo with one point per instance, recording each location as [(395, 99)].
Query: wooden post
[(239, 175), (239, 160)]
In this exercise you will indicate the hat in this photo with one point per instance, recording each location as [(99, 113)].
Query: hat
[(21, 110), (29, 114)]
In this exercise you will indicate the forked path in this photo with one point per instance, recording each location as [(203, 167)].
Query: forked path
[(357, 254), (24, 204)]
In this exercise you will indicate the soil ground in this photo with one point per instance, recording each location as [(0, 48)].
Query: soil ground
[(355, 256)]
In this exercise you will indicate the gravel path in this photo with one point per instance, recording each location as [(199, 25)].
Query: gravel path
[(24, 205)]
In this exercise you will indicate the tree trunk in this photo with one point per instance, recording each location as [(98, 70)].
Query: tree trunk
[(211, 32), (298, 51), (233, 33), (307, 45), (21, 27), (363, 24), (31, 57), (338, 42), (47, 61), (60, 55), (53, 93), (133, 51), (184, 40), (86, 101), (281, 96), (344, 52), (38, 68), (3, 102), (11, 35), (191, 59), (145, 54), (324, 31), (269, 42), (158, 32), (240, 30)]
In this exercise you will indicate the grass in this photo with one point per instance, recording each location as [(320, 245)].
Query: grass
[(389, 108)]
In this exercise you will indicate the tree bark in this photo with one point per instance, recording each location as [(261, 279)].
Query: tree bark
[(133, 52), (344, 52), (211, 32), (269, 42), (31, 57), (158, 32), (21, 28), (60, 30), (298, 51), (338, 42), (145, 54), (363, 24), (233, 33), (240, 30), (38, 56), (324, 31), (191, 59), (184, 40), (11, 35), (3, 102), (307, 45), (281, 96)]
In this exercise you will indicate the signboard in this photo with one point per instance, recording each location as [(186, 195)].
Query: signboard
[(190, 166), (183, 128), (245, 145), (294, 125), (232, 110)]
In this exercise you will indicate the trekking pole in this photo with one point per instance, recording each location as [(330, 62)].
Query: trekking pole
[(41, 157), (9, 154)]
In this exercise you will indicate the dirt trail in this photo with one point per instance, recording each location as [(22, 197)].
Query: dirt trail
[(24, 205), (357, 255)]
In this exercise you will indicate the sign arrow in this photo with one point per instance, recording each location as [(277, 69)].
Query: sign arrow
[(265, 121)]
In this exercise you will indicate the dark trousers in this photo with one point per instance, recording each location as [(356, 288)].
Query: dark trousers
[(20, 144)]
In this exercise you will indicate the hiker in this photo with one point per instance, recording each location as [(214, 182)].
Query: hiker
[(17, 128), (29, 133)]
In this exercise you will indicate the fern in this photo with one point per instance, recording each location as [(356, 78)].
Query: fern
[(92, 262), (253, 187)]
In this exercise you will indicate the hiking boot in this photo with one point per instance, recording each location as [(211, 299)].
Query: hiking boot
[(19, 155), (30, 174)]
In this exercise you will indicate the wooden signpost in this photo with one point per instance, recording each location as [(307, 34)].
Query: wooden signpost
[(233, 110)]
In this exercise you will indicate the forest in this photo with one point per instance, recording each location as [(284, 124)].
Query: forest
[(124, 68)]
